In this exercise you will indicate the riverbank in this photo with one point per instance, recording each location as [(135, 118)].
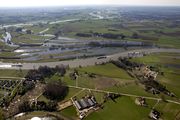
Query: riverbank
[(91, 61)]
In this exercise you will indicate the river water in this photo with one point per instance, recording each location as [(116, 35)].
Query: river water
[(79, 46)]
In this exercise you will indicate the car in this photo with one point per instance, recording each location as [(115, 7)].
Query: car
[(154, 117), (102, 57), (81, 116)]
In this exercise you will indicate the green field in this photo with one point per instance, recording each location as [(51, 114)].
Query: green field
[(71, 112), (12, 73), (148, 59), (131, 88), (171, 81), (108, 70), (169, 110), (68, 79), (123, 108), (54, 78), (85, 82), (99, 97), (82, 94)]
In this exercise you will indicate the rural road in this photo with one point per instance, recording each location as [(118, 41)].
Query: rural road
[(121, 94), (89, 61)]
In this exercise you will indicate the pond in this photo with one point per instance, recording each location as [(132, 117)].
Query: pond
[(4, 93)]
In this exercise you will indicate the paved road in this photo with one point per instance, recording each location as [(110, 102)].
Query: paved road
[(90, 61)]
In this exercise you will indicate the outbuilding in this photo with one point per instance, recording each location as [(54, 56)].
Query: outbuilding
[(84, 103), (78, 105), (90, 102)]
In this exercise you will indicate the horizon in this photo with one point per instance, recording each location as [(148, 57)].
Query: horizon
[(40, 3)]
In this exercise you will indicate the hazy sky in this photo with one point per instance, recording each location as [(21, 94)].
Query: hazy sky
[(15, 3)]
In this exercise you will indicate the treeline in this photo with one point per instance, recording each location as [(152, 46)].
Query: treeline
[(106, 35), (83, 35), (124, 63), (45, 72), (156, 85), (55, 90), (113, 36), (27, 106)]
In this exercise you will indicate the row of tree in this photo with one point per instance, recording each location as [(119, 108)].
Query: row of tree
[(45, 72)]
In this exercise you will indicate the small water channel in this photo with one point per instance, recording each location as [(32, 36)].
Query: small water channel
[(41, 118), (171, 65), (170, 56)]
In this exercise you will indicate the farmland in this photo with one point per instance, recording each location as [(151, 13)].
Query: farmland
[(109, 87), (123, 108)]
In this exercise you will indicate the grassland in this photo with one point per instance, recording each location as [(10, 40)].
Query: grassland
[(99, 97), (54, 77), (123, 108), (85, 82), (82, 94), (108, 70), (12, 73), (171, 81), (71, 112), (148, 59), (68, 79), (169, 110), (130, 88)]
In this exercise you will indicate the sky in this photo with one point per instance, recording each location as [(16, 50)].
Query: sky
[(23, 3)]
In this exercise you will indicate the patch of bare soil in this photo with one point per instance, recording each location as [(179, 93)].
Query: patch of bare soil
[(103, 82), (143, 26), (147, 38), (64, 105), (145, 31), (177, 33)]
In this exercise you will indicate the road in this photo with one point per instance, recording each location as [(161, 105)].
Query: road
[(122, 94), (89, 61)]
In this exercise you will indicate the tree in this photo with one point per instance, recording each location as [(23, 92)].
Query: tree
[(28, 31), (55, 90), (24, 106), (18, 29)]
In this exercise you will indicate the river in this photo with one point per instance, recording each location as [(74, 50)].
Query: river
[(91, 61)]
